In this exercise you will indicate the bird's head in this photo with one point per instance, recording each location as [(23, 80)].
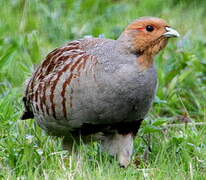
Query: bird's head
[(147, 35)]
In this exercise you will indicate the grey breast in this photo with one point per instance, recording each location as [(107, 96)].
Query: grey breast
[(123, 91)]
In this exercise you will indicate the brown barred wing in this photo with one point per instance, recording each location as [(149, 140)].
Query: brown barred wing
[(50, 90)]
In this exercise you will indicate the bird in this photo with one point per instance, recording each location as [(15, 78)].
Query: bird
[(99, 88)]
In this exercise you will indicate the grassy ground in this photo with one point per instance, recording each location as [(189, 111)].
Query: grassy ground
[(29, 29)]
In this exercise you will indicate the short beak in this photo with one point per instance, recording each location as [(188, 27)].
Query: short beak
[(171, 33)]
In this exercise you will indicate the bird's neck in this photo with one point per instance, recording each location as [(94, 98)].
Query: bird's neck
[(145, 59)]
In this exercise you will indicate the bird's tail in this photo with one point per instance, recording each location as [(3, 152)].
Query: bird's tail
[(28, 114)]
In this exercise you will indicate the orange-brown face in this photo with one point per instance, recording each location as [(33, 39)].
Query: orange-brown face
[(150, 35)]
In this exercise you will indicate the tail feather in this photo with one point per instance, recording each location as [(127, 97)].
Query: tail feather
[(28, 114)]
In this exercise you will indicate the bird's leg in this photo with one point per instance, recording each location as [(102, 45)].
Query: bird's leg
[(120, 145), (126, 149), (68, 144), (71, 142)]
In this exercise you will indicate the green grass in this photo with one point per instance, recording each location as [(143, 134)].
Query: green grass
[(29, 29)]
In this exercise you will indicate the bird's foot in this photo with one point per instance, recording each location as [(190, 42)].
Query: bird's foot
[(121, 146)]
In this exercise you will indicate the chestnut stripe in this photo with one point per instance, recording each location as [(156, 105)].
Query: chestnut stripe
[(51, 59), (71, 93), (63, 94), (46, 62), (31, 85), (79, 67), (27, 90), (60, 73), (84, 63), (37, 93), (55, 59), (51, 55), (68, 81), (40, 100), (61, 59), (37, 96), (43, 101)]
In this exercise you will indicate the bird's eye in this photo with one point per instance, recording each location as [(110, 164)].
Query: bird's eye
[(149, 28)]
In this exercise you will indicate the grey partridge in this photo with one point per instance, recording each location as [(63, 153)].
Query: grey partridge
[(97, 86)]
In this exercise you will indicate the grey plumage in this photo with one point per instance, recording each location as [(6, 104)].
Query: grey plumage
[(97, 85)]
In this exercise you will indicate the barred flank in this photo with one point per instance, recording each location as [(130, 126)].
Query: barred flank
[(41, 89)]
